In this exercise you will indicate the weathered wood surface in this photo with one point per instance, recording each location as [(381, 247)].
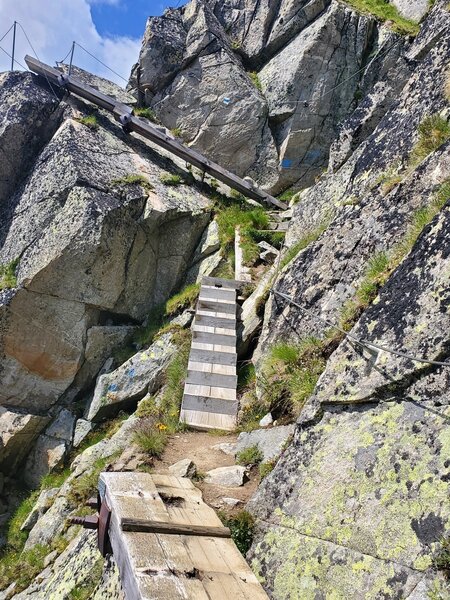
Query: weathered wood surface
[(161, 566), (210, 399), (123, 113)]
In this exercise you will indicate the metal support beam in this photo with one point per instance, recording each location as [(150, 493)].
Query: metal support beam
[(13, 46), (123, 114)]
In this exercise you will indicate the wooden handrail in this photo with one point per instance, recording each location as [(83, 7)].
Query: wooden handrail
[(124, 115)]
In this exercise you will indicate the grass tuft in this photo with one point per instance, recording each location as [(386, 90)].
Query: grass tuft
[(266, 467), (134, 179), (304, 242), (171, 179), (151, 437), (434, 130), (8, 277), (89, 121), (386, 12), (255, 80), (182, 300), (146, 113), (249, 456), (441, 560)]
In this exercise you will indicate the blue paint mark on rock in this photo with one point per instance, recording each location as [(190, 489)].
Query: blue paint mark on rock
[(113, 387), (286, 163)]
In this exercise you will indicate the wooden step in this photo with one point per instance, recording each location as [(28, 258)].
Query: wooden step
[(211, 379)]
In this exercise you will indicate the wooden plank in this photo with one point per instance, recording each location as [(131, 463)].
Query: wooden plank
[(205, 367), (209, 405), (210, 391), (215, 321), (206, 420), (217, 306), (230, 331), (210, 356), (226, 283), (211, 379), (144, 526), (161, 566), (217, 293), (214, 338)]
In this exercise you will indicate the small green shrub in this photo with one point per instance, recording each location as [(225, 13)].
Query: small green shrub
[(8, 277), (255, 80), (133, 179), (386, 12), (434, 130), (266, 467), (242, 526), (249, 456), (236, 44), (147, 408), (170, 179), (441, 559), (149, 437), (146, 113), (89, 121), (176, 132), (287, 195)]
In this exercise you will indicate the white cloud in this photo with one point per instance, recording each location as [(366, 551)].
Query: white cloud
[(51, 26)]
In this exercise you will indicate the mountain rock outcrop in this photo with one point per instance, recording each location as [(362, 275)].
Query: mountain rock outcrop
[(275, 78), (100, 229)]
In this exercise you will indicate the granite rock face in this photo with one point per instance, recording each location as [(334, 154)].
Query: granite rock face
[(275, 77), (356, 507), (94, 253)]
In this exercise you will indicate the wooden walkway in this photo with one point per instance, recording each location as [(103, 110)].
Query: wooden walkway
[(210, 400), (171, 566)]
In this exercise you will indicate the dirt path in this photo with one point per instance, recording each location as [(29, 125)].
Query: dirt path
[(198, 446)]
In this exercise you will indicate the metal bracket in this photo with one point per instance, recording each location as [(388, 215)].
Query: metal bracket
[(100, 522)]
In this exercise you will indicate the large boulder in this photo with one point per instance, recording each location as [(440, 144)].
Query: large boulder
[(98, 249), (18, 431)]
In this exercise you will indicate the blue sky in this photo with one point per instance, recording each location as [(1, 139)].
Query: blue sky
[(110, 29), (127, 17)]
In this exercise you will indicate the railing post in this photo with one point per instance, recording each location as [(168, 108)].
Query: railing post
[(71, 57), (13, 46)]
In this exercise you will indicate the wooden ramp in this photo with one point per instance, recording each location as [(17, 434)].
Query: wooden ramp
[(169, 566), (210, 400)]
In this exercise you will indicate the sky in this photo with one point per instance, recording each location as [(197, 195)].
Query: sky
[(110, 29)]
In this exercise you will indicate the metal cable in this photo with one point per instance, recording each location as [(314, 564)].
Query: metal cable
[(2, 38), (61, 62), (101, 62), (15, 59), (361, 342), (36, 55)]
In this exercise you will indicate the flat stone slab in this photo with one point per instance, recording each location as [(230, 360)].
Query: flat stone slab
[(234, 476), (184, 468), (269, 441)]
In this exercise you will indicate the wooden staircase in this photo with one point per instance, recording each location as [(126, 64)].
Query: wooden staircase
[(210, 396)]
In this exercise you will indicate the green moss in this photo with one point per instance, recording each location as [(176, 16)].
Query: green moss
[(387, 13), (255, 80), (287, 195), (171, 179), (89, 121), (434, 131), (146, 113), (133, 179), (8, 277), (249, 456), (441, 559)]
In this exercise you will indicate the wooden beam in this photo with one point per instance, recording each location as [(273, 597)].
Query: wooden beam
[(123, 114), (143, 526)]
